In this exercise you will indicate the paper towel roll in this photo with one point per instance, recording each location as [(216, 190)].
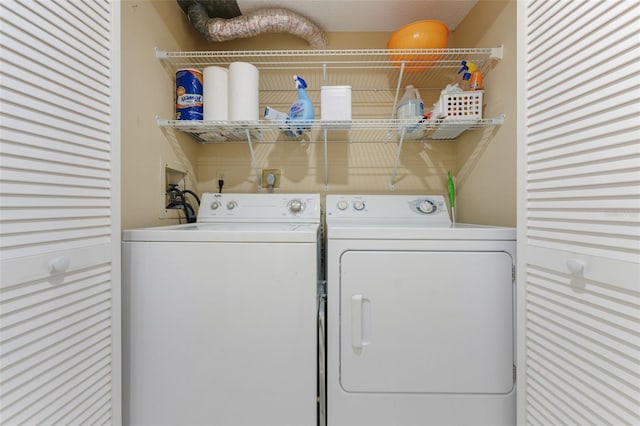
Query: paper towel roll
[(215, 93), (243, 92)]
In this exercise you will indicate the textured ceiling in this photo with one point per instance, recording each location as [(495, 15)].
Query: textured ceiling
[(369, 15)]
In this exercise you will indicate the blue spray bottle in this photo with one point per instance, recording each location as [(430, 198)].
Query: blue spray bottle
[(301, 109)]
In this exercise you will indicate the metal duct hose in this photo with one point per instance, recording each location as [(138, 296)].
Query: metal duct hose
[(212, 8), (259, 21)]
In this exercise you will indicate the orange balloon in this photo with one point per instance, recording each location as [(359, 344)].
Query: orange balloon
[(427, 34)]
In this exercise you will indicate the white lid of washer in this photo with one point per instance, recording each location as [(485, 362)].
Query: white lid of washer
[(229, 232), (243, 218)]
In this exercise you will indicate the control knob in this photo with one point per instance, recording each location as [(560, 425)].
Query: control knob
[(342, 205), (426, 206), (231, 205), (358, 205), (215, 205), (296, 206)]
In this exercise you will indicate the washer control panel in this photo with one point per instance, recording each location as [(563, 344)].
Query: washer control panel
[(259, 207), (391, 207)]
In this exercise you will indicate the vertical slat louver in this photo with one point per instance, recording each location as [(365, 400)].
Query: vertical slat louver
[(583, 349), (580, 227), (583, 121), (56, 116), (58, 324)]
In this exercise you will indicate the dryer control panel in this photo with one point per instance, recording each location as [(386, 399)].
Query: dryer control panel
[(259, 208), (431, 208)]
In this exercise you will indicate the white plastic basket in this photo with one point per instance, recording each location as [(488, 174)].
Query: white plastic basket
[(462, 104)]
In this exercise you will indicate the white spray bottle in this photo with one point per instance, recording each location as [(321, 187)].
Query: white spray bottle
[(410, 105), (411, 108)]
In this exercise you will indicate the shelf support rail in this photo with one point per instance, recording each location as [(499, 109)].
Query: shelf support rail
[(326, 163), (395, 100), (254, 164), (395, 166), (160, 54)]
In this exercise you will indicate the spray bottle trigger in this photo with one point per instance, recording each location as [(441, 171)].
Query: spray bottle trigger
[(300, 83), (463, 67)]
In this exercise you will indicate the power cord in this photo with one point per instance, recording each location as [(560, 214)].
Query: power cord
[(271, 180), (193, 194), (220, 185)]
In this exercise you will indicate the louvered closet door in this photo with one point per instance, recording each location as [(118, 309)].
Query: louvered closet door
[(59, 220), (579, 214)]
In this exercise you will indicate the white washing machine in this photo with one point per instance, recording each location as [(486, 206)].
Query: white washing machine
[(420, 320), (221, 315)]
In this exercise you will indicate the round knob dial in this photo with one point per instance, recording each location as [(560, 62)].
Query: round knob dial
[(231, 205), (296, 206), (358, 205), (342, 205), (426, 206), (215, 205)]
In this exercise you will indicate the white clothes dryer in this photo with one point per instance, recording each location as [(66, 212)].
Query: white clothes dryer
[(420, 315), (221, 315)]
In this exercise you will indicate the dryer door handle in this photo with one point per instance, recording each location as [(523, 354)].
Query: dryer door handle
[(356, 321)]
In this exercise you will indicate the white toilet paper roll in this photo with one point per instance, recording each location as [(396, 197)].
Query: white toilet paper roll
[(215, 93), (243, 91)]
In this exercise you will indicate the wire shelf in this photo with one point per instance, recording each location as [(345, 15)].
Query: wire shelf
[(376, 77), (313, 131), (363, 69)]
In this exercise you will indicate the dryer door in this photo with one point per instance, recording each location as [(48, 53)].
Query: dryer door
[(426, 322)]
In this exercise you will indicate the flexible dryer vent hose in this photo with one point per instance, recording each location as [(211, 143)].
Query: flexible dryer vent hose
[(274, 20)]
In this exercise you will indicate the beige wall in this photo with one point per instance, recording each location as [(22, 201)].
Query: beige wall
[(147, 91), (486, 160), (366, 168)]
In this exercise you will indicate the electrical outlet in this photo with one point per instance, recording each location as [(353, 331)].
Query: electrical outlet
[(275, 172), (220, 174)]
